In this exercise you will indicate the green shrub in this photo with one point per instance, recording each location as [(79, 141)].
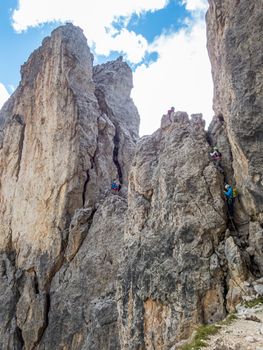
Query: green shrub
[(253, 303), (204, 332), (230, 318)]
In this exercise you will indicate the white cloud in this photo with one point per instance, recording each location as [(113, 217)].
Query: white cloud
[(98, 13), (95, 18), (180, 77), (132, 45), (195, 5), (4, 95)]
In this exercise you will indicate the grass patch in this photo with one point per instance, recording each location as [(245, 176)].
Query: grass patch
[(253, 303), (230, 318), (204, 332)]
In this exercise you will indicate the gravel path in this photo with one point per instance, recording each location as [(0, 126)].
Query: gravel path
[(245, 333)]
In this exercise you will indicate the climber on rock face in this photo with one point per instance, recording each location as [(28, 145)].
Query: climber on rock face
[(229, 199), (216, 157), (216, 154), (220, 118), (115, 185), (169, 113)]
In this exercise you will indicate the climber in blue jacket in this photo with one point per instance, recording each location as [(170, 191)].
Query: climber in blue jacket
[(115, 185), (229, 199), (229, 191)]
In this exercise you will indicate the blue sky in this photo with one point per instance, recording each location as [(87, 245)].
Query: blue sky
[(16, 47), (162, 40)]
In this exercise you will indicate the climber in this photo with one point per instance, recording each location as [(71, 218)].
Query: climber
[(216, 158), (229, 199), (115, 185), (216, 154), (169, 113), (220, 118)]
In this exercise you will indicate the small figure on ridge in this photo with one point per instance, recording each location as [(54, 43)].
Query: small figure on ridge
[(170, 111)]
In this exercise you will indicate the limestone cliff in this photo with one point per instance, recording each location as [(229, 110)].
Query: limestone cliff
[(172, 276), (61, 145), (234, 30), (186, 262), (82, 268)]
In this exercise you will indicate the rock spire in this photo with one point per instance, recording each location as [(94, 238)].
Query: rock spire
[(82, 268), (62, 142)]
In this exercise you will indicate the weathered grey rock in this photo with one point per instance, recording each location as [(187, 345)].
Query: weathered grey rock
[(236, 264), (67, 131), (259, 281), (113, 88), (234, 41), (10, 333), (218, 137), (237, 273), (59, 151), (256, 245), (259, 289), (234, 30), (83, 311), (31, 311), (175, 220), (44, 139), (250, 339)]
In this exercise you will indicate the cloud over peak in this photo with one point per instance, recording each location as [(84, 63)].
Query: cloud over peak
[(180, 77), (180, 73), (97, 19)]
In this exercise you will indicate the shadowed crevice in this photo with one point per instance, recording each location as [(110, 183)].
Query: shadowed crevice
[(20, 338), (20, 120), (116, 141), (85, 187)]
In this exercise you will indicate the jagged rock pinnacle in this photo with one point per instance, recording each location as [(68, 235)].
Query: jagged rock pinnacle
[(59, 152), (84, 268)]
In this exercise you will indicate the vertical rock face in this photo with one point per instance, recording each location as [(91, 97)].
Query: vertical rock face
[(234, 30), (113, 86), (235, 42), (172, 277), (82, 269), (60, 147), (83, 312)]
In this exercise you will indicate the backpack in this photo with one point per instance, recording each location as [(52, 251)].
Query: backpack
[(235, 192)]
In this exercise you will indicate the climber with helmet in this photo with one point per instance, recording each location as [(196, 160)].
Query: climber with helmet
[(229, 199)]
